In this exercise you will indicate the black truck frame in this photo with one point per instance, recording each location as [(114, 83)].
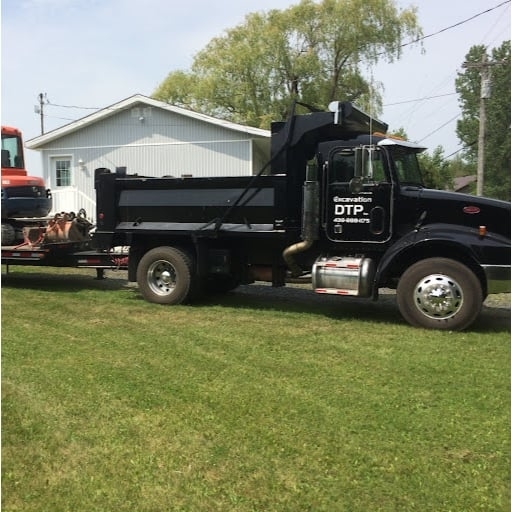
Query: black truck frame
[(340, 204)]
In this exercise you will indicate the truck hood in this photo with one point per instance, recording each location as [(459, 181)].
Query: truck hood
[(462, 209)]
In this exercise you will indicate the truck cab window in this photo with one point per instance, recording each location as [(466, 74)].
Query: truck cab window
[(407, 168), (376, 174), (343, 164), (342, 168)]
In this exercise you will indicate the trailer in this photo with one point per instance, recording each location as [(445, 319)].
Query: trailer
[(63, 240)]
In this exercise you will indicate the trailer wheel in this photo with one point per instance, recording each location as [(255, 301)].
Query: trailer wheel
[(439, 293), (165, 276)]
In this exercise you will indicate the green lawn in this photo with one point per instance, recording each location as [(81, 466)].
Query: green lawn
[(257, 400)]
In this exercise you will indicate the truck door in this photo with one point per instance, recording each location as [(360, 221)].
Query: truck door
[(358, 197)]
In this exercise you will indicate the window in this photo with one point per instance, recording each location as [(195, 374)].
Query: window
[(342, 168), (377, 172), (63, 173), (12, 153), (407, 168)]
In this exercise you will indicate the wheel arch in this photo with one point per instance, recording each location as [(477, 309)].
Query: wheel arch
[(394, 263), (141, 244)]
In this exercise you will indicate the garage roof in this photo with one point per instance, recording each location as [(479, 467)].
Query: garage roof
[(127, 103)]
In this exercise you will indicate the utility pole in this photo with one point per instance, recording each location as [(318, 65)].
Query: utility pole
[(485, 93), (40, 109)]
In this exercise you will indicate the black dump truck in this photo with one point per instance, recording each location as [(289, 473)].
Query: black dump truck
[(340, 205)]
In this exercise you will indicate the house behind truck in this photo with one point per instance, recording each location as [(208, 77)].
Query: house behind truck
[(147, 136)]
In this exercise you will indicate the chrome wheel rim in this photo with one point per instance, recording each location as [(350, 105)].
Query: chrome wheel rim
[(161, 278), (438, 296)]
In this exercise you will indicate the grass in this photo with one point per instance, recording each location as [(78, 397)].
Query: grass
[(257, 400)]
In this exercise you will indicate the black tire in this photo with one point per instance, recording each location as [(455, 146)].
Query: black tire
[(439, 293), (165, 276)]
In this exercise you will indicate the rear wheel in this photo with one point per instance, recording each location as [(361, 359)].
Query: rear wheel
[(439, 293), (165, 276)]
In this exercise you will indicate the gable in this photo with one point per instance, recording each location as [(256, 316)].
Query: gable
[(156, 127), (139, 109)]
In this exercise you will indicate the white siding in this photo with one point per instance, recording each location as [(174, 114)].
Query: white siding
[(163, 143)]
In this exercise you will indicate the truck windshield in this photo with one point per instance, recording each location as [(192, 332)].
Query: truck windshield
[(407, 168), (12, 154)]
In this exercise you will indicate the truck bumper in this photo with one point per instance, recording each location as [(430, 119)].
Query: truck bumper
[(498, 278)]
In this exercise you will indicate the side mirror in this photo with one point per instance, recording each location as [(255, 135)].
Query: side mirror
[(364, 158), (359, 161)]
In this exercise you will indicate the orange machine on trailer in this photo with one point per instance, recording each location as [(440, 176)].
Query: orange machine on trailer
[(24, 197), (29, 236)]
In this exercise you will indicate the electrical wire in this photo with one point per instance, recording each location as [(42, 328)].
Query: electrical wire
[(419, 99), (71, 106), (454, 25), (442, 126), (415, 107), (461, 149)]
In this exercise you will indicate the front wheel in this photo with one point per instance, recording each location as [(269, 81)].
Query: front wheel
[(165, 276), (439, 293)]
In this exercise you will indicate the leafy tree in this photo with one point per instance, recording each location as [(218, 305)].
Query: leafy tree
[(436, 170), (461, 167), (497, 140), (313, 51)]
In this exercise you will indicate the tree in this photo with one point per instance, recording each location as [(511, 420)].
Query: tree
[(313, 51), (497, 140), (436, 170)]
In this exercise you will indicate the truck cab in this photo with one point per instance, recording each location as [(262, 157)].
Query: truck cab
[(373, 192), (360, 180), (373, 202)]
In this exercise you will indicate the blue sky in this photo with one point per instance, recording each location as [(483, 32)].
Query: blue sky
[(92, 53)]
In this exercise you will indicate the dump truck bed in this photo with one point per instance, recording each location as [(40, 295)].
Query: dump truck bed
[(248, 205)]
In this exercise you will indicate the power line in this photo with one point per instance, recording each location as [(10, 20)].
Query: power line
[(454, 25), (61, 118), (436, 33), (75, 106), (419, 99), (442, 126), (461, 149)]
